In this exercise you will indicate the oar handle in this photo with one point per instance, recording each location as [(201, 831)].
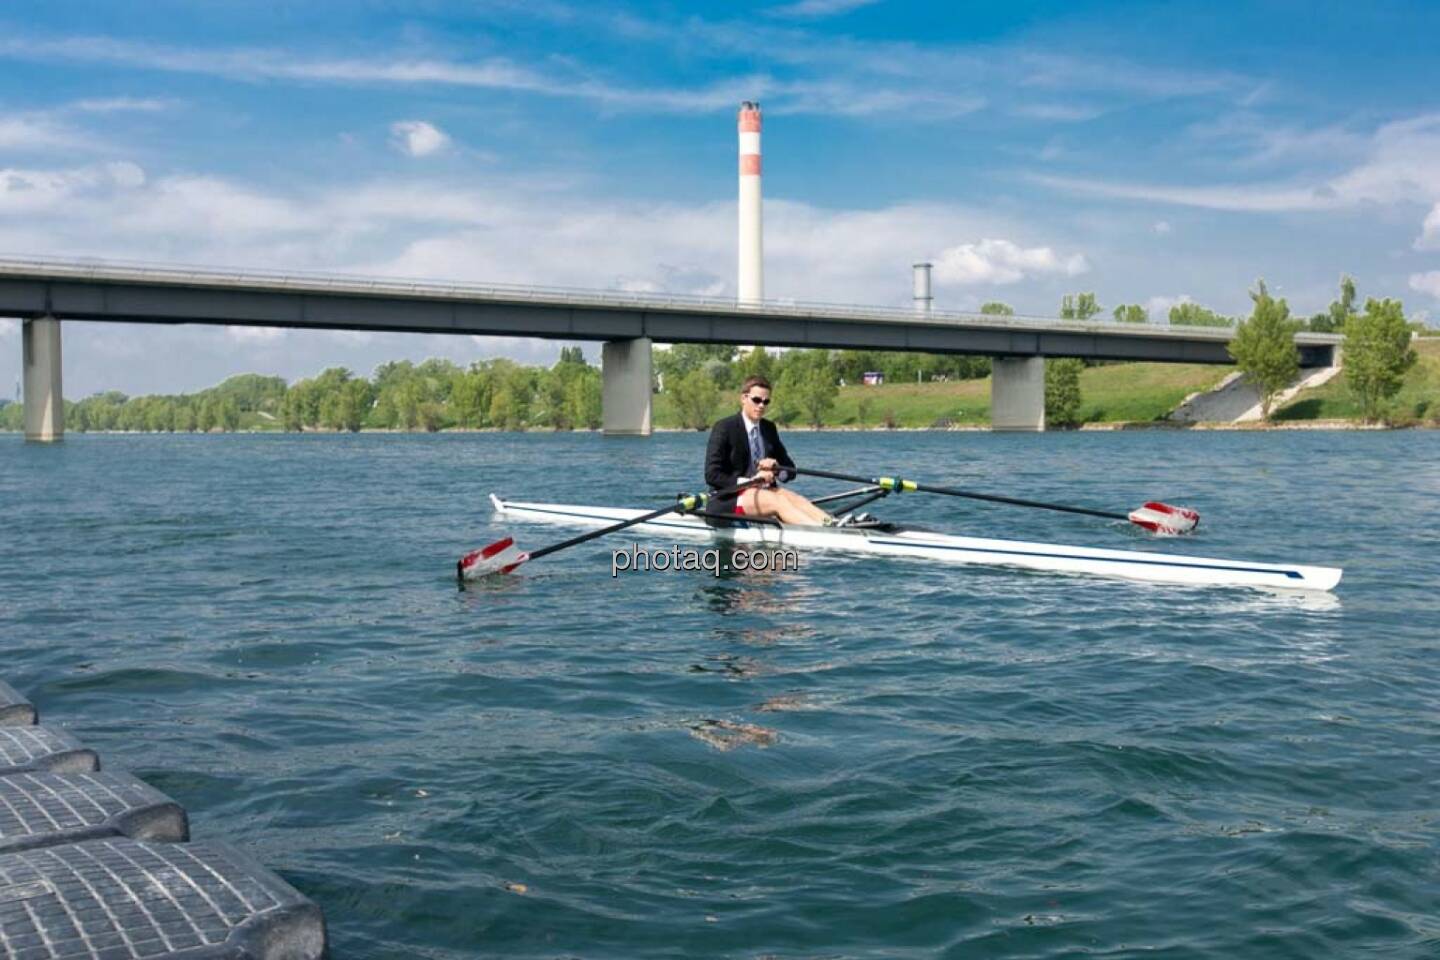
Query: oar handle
[(681, 504), (901, 486)]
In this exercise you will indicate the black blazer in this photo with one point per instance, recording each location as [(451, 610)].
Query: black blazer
[(727, 455)]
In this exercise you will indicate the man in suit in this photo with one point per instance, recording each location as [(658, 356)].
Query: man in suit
[(746, 446)]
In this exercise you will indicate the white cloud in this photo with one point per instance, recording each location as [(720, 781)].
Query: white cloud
[(274, 64), (1058, 112), (255, 335), (1002, 262), (1159, 307), (1245, 197), (120, 105), (1162, 227), (34, 132), (1429, 238), (1059, 71), (536, 233), (1426, 283), (1399, 168), (418, 138), (816, 9), (806, 72), (35, 191), (1269, 139)]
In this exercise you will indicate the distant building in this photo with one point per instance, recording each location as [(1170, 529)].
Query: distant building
[(872, 378)]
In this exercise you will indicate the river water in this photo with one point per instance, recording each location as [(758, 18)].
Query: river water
[(860, 758)]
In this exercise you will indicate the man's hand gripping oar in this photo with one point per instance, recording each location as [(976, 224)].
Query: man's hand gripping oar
[(1153, 516), (502, 556)]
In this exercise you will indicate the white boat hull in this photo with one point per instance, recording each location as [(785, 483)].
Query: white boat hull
[(945, 548)]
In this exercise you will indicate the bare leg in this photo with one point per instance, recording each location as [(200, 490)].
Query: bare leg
[(784, 505)]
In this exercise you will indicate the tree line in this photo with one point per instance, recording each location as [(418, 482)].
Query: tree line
[(434, 395)]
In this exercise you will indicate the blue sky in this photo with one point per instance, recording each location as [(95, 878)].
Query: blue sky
[(1148, 152)]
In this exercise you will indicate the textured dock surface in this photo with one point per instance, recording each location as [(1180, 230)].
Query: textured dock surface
[(97, 866), (27, 749), (121, 898), (46, 809), (15, 710)]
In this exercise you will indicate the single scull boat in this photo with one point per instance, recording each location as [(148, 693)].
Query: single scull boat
[(894, 540)]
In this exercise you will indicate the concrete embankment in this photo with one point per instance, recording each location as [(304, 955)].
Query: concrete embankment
[(1236, 400)]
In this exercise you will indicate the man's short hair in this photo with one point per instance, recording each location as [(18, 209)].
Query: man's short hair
[(756, 381)]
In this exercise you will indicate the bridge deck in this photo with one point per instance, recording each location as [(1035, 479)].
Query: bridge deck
[(141, 293)]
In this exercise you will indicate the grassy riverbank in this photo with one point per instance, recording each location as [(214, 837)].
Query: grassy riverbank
[(1418, 399), (1114, 393)]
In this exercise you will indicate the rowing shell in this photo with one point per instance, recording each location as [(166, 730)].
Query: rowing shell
[(897, 541)]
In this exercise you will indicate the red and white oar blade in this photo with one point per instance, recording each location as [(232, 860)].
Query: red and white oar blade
[(502, 556), (1163, 518)]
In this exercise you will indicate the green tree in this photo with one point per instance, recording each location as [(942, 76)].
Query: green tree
[(356, 399), (1377, 354), (585, 399), (503, 410), (292, 411), (809, 385), (997, 309), (1132, 313), (1340, 311), (757, 362), (552, 396), (470, 398), (1079, 306), (1264, 347), (695, 397), (1062, 391), (681, 358), (227, 417), (1193, 315), (204, 416)]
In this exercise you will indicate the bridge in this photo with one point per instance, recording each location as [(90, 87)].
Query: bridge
[(45, 292)]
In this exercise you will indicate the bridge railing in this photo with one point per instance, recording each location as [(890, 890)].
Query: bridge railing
[(123, 271)]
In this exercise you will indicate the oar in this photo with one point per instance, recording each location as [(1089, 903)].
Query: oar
[(502, 556), (1153, 516)]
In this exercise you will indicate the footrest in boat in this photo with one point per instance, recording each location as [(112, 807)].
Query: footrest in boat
[(122, 898), (29, 749), (47, 809)]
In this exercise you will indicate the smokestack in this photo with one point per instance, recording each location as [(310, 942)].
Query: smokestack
[(751, 284), (923, 299)]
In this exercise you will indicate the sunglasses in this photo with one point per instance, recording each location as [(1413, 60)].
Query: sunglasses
[(761, 401)]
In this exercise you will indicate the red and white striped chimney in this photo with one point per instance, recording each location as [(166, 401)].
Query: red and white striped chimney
[(751, 283)]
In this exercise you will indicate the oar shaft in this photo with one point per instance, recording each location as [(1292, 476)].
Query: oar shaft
[(685, 503), (968, 494)]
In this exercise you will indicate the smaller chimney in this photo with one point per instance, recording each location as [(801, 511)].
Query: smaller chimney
[(923, 299)]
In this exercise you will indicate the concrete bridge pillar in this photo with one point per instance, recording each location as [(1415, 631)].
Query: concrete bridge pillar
[(626, 391), (44, 408), (1017, 394)]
